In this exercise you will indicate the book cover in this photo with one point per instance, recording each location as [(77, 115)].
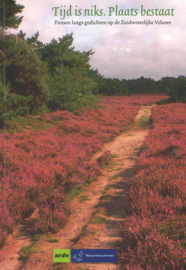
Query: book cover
[(92, 135)]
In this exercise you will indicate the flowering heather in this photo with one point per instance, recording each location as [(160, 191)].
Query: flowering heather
[(139, 99), (43, 165), (154, 232)]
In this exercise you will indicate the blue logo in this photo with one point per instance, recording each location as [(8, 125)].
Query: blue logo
[(78, 257), (94, 255)]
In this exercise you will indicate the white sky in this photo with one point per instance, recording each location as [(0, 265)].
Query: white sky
[(121, 51)]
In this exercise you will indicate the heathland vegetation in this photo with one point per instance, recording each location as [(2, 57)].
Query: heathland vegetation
[(59, 111), (154, 233)]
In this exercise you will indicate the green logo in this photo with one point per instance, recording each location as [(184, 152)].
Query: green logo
[(61, 255)]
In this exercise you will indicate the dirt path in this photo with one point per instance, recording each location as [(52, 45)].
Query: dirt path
[(83, 229)]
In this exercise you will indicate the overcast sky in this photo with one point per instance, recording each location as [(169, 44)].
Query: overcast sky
[(123, 50)]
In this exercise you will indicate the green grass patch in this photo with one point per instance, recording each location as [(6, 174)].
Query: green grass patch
[(113, 155), (52, 240), (105, 197), (73, 192), (105, 166), (174, 231), (83, 198), (116, 164), (76, 191), (127, 126), (112, 170), (107, 139), (26, 250), (92, 232), (113, 177), (112, 163), (30, 122), (141, 121), (58, 263), (36, 237), (100, 220), (105, 190)]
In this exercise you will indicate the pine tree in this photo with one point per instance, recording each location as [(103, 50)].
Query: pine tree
[(11, 9), (70, 84), (25, 75)]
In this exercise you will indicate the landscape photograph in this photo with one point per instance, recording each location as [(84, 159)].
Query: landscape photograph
[(92, 135)]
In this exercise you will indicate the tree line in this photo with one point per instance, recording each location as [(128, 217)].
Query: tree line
[(42, 77), (174, 87)]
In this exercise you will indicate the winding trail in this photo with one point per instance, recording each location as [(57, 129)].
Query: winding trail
[(79, 231)]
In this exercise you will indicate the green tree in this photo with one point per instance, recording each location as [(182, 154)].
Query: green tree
[(114, 87), (142, 85), (69, 81), (11, 9), (25, 75), (174, 87), (98, 78), (178, 91), (125, 89)]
